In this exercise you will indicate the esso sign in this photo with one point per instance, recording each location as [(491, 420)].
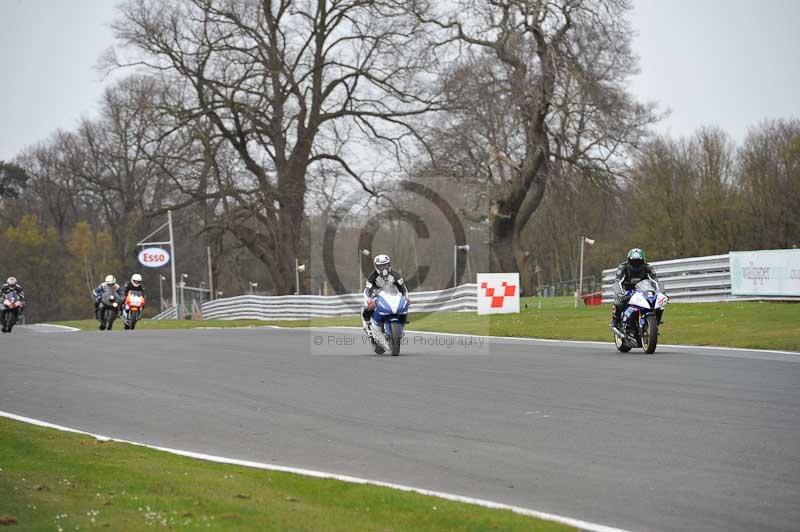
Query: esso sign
[(153, 257)]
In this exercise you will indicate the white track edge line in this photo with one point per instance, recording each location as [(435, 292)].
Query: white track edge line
[(583, 525), (546, 340), (65, 327)]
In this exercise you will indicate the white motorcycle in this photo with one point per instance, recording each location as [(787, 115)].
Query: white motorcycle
[(388, 321), (641, 318)]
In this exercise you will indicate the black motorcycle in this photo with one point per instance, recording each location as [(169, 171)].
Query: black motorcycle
[(10, 310), (109, 308)]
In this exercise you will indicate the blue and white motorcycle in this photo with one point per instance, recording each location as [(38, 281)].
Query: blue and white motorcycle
[(388, 320), (641, 318)]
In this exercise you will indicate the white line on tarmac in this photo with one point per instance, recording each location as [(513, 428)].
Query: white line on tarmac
[(583, 525), (63, 327), (553, 341)]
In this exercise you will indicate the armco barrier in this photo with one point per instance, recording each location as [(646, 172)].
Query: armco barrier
[(692, 279), (460, 298)]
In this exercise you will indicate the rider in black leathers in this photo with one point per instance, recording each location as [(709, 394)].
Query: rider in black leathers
[(630, 272), (381, 276), (11, 285)]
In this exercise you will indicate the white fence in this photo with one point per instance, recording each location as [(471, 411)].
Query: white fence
[(693, 279), (460, 298)]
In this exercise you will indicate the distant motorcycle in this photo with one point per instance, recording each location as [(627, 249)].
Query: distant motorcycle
[(388, 321), (132, 309), (109, 308), (10, 310), (641, 319)]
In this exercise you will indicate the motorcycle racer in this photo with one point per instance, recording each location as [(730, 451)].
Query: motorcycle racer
[(383, 275), (634, 269), (134, 284), (110, 281), (10, 285)]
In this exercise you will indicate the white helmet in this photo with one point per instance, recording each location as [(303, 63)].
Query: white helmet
[(12, 281), (136, 279), (110, 279), (383, 264)]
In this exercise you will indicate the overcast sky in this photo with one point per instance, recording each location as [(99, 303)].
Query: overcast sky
[(729, 63)]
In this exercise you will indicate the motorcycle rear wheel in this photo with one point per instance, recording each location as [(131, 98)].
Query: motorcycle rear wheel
[(622, 347), (377, 348)]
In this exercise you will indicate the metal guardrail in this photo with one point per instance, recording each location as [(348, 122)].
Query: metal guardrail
[(692, 279), (460, 298)]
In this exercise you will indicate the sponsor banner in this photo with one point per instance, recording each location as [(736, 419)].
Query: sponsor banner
[(773, 272), (153, 257), (498, 293)]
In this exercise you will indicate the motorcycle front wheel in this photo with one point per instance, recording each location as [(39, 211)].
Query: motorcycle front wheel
[(397, 336), (650, 334), (111, 316), (8, 320)]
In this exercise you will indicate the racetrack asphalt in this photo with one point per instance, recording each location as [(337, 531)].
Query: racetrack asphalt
[(686, 439)]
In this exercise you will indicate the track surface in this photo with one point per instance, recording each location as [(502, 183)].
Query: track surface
[(688, 439)]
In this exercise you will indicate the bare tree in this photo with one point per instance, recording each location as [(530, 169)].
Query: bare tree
[(562, 68), (113, 157), (287, 84), (770, 179), (55, 193)]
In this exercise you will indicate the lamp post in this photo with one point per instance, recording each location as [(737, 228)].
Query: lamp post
[(180, 312), (538, 271), (584, 240), (161, 280), (297, 269), (210, 275), (359, 253), (456, 249)]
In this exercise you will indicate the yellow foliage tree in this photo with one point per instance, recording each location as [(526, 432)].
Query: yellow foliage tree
[(34, 255), (90, 258)]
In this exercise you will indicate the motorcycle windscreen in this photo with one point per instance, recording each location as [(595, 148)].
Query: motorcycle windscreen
[(109, 296), (134, 300), (11, 300), (389, 300), (639, 300)]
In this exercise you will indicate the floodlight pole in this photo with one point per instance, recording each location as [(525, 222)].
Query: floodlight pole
[(579, 293), (210, 276), (172, 264), (456, 249), (297, 275), (171, 244), (160, 292)]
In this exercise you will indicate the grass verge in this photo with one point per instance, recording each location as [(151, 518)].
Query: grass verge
[(52, 480), (748, 324)]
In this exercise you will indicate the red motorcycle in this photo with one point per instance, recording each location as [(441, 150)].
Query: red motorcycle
[(132, 309), (10, 310)]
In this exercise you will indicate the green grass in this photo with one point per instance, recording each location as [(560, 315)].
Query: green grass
[(52, 480), (749, 324)]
